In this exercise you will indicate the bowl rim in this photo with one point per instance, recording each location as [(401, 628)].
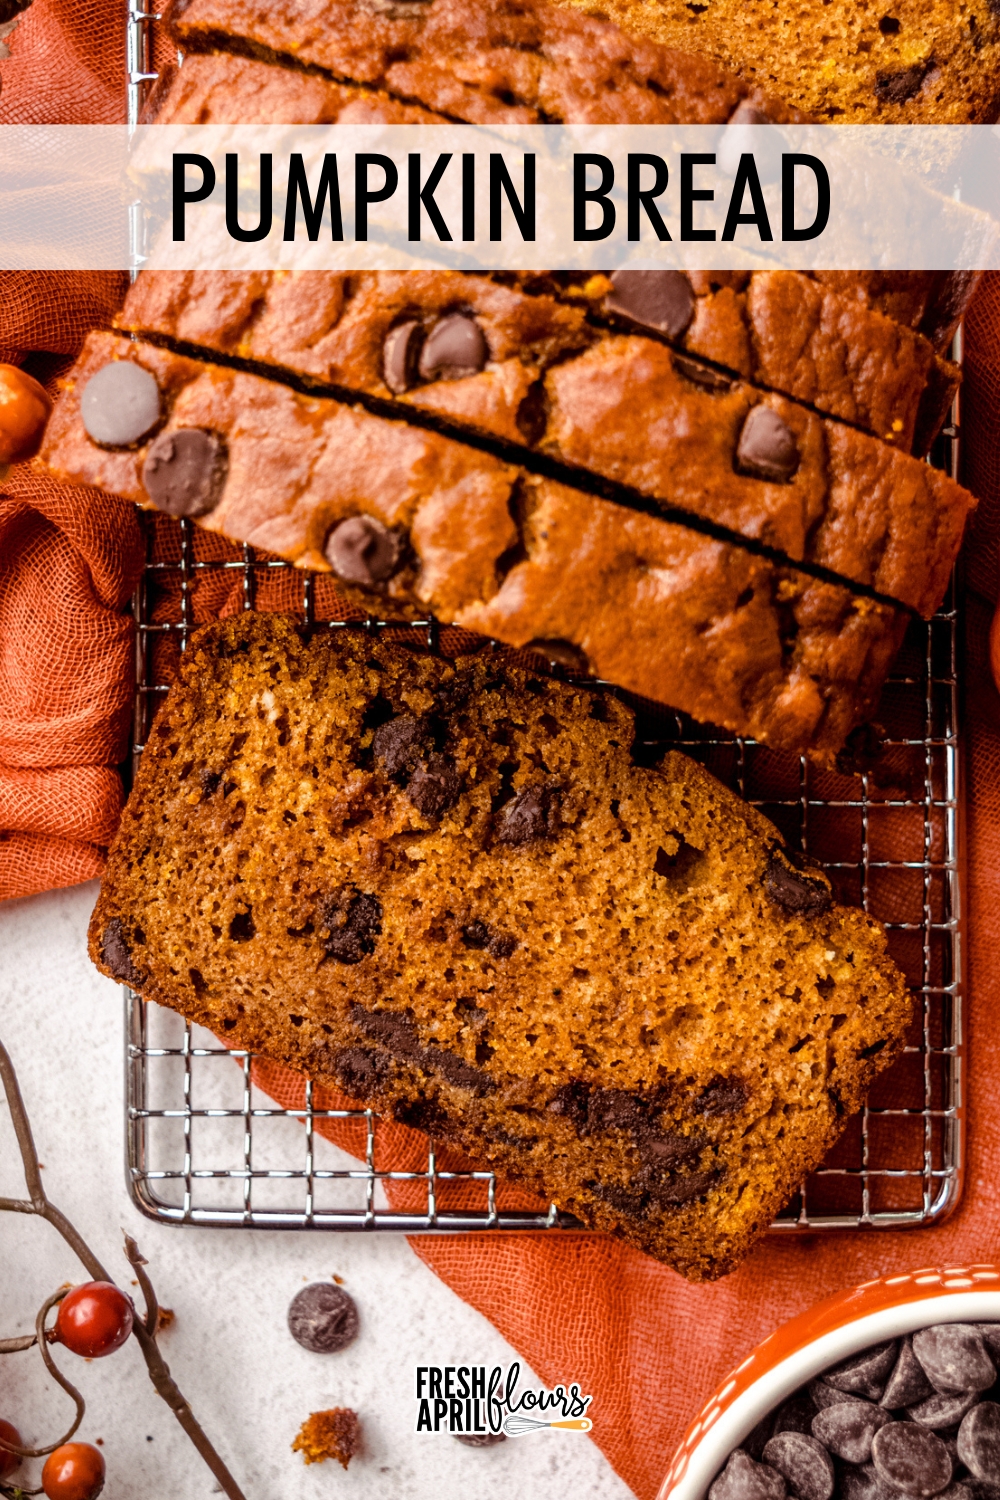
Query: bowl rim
[(802, 1348)]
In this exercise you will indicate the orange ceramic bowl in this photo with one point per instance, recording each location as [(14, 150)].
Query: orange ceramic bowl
[(833, 1330)]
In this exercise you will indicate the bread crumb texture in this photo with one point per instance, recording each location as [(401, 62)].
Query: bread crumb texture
[(329, 1434), (447, 889)]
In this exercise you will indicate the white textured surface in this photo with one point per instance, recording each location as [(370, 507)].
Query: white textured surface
[(248, 1382)]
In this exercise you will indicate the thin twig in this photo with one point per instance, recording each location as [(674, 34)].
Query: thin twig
[(138, 1263), (57, 1375)]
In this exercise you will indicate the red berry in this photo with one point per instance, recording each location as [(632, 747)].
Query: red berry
[(73, 1472), (94, 1319), (9, 1461)]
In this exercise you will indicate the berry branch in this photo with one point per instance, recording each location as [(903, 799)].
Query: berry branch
[(102, 1313)]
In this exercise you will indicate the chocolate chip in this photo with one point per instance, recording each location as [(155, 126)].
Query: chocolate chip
[(359, 1071), (943, 1409), (702, 375), (454, 348), (476, 935), (480, 1439), (743, 1479), (116, 955), (120, 404), (401, 743), (434, 786), (501, 945), (661, 300), (354, 920), (323, 1318), (456, 1070), (848, 1428), (532, 814), (391, 1029), (625, 1200), (897, 88), (723, 1096), (361, 550), (911, 1459), (908, 1384), (562, 654), (864, 1374), (681, 1187), (864, 1483), (794, 1415), (400, 356), (979, 1442), (767, 448), (185, 471), (793, 891), (824, 1395), (571, 1100), (954, 1358), (805, 1464), (479, 935), (615, 1109), (663, 1152)]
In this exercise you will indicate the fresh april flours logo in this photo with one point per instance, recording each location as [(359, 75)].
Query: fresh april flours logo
[(469, 1399)]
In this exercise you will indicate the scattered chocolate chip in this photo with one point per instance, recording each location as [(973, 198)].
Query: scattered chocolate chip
[(400, 744), (359, 1071), (454, 348), (805, 1464), (185, 471), (323, 1318), (116, 954), (912, 1459), (908, 1384), (354, 920), (979, 1442), (943, 1409), (743, 1479), (662, 300), (848, 1428), (361, 550), (401, 354), (953, 1357), (767, 448), (615, 1109), (480, 1439), (864, 1374), (793, 891), (532, 814), (120, 404), (434, 786), (898, 88), (562, 654)]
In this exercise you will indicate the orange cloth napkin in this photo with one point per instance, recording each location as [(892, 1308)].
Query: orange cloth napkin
[(577, 1307)]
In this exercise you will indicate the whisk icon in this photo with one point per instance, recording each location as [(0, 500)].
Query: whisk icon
[(517, 1426)]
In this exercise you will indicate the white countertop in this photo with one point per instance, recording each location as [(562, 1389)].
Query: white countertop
[(250, 1384)]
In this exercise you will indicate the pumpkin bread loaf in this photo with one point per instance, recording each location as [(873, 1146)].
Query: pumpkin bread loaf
[(446, 889)]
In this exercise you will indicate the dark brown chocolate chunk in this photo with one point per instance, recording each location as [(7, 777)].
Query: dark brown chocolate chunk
[(898, 88), (908, 1384), (562, 654), (953, 1357), (943, 1409), (185, 472), (864, 1483), (660, 1152), (391, 1029), (723, 1096), (116, 954), (401, 354), (532, 814), (625, 1200), (425, 1115), (848, 1428), (865, 1374), (480, 1439), (804, 1464), (361, 550), (912, 1459), (323, 1318), (434, 786), (497, 944), (743, 1479), (979, 1442), (681, 1187), (570, 1100), (824, 1395), (456, 1070), (401, 743), (476, 935), (661, 300), (767, 448), (359, 1071), (702, 375), (794, 892), (454, 348), (120, 404), (615, 1109), (794, 1415), (354, 920)]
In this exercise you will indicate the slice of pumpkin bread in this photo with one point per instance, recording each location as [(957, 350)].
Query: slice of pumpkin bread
[(447, 889)]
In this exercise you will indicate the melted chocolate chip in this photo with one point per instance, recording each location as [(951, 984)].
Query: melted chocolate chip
[(663, 1153), (723, 1096), (570, 1100), (185, 472), (400, 356), (391, 1029), (120, 404), (532, 814), (359, 1071), (662, 300), (434, 786), (623, 1199), (679, 1187), (767, 448), (456, 1070), (361, 550), (898, 88), (209, 783), (497, 944), (793, 891), (454, 348), (323, 1318), (562, 654), (116, 955), (425, 1115), (401, 743), (614, 1109), (354, 920)]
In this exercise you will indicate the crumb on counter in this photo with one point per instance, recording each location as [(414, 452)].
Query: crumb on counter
[(329, 1434)]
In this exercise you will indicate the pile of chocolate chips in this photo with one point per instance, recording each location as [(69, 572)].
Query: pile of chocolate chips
[(919, 1416)]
